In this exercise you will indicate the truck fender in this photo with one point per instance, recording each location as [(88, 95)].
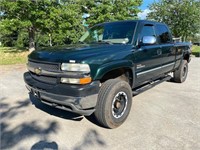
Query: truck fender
[(105, 68)]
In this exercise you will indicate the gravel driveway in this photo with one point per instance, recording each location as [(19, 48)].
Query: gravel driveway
[(164, 117)]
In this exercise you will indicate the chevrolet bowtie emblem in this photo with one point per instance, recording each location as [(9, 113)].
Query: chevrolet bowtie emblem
[(38, 71)]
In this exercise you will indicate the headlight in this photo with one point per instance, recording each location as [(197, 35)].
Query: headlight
[(75, 67)]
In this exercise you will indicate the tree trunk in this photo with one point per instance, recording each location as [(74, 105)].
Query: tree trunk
[(31, 33)]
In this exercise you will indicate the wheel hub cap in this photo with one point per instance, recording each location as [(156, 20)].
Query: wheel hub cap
[(119, 104)]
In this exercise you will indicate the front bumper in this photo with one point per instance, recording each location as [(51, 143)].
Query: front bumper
[(80, 99)]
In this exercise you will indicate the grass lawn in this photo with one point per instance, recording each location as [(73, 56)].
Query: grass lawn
[(196, 50), (11, 55)]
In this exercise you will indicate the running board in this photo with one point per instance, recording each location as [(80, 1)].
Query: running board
[(150, 85)]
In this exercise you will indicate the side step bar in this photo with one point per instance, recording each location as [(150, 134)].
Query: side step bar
[(149, 85)]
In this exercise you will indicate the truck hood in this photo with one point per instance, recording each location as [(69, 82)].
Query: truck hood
[(78, 52)]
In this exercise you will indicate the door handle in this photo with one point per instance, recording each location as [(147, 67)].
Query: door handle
[(140, 49)]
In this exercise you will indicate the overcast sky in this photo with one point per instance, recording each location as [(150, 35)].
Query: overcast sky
[(144, 8)]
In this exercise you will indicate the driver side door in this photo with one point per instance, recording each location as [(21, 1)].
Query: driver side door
[(148, 57)]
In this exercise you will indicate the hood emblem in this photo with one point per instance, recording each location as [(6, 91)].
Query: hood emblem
[(38, 71)]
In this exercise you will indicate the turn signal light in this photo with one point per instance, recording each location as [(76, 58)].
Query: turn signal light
[(85, 80)]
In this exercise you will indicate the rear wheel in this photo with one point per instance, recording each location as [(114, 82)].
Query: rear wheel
[(114, 103), (180, 75)]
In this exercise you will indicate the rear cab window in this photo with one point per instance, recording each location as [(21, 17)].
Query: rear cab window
[(163, 34)]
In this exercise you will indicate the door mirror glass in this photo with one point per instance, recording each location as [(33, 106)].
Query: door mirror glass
[(148, 40)]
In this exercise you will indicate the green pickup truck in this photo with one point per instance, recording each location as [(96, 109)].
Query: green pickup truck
[(112, 62)]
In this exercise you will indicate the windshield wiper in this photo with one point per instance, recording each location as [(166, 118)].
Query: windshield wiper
[(81, 42), (105, 42)]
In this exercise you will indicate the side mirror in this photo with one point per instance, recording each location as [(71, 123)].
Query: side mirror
[(148, 40)]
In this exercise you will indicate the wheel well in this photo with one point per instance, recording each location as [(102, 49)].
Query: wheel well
[(186, 57), (122, 73)]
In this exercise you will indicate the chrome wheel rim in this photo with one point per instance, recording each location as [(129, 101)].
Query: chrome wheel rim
[(119, 104)]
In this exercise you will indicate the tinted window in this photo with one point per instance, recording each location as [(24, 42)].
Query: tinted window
[(163, 34), (117, 32), (147, 30)]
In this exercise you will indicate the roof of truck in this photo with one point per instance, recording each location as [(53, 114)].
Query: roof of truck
[(139, 21)]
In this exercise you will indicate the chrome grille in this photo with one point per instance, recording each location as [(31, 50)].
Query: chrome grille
[(44, 66)]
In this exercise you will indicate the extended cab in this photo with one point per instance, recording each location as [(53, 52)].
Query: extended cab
[(112, 62)]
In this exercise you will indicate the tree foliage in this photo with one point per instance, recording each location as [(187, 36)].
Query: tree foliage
[(38, 21), (182, 16), (110, 10), (61, 22)]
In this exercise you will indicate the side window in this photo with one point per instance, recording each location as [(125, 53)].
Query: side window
[(163, 34), (147, 30)]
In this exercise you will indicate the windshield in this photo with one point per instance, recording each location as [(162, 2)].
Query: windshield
[(117, 32)]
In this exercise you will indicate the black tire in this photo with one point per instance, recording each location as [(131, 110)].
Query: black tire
[(180, 75), (114, 103)]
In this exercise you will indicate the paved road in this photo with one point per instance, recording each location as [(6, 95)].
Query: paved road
[(165, 117)]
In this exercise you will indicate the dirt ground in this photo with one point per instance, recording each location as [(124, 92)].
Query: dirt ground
[(164, 117)]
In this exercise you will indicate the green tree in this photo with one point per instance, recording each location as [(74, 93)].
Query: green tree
[(61, 21), (110, 10), (8, 34), (182, 16), (58, 21)]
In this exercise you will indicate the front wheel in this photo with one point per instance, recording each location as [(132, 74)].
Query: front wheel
[(114, 103), (180, 75)]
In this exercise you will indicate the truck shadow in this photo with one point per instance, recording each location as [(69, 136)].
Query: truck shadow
[(14, 133), (61, 113), (54, 111), (93, 120)]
